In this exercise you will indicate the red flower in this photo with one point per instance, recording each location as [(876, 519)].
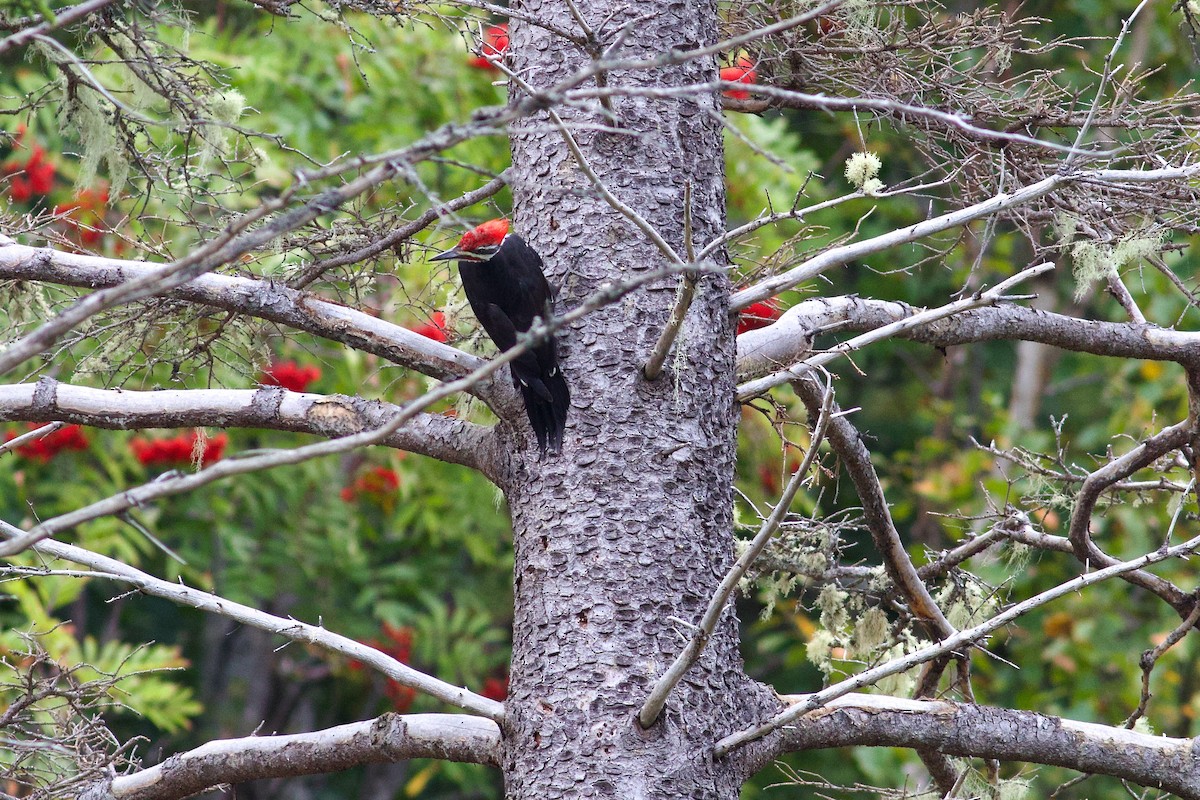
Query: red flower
[(290, 375), (741, 72), (400, 642), (68, 437), (85, 215), (434, 329), (19, 189), (179, 449), (495, 689), (86, 200), (376, 482), (39, 172), (758, 315), (495, 42), (401, 696), (398, 645), (34, 177), (768, 479)]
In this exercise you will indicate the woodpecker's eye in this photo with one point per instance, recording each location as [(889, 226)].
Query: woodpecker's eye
[(484, 252)]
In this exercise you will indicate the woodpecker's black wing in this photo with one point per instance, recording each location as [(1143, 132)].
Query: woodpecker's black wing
[(507, 292)]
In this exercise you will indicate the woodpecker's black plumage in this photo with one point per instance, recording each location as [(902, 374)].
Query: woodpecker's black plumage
[(503, 279)]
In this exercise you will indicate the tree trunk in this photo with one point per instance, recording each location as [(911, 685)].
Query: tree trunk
[(630, 530)]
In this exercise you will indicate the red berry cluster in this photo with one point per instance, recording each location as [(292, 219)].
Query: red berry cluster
[(29, 179), (85, 215), (398, 645), (758, 315), (179, 449), (495, 689), (377, 482), (495, 42), (434, 329), (68, 437), (290, 376), (742, 71)]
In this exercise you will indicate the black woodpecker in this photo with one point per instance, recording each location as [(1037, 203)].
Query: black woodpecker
[(507, 290)]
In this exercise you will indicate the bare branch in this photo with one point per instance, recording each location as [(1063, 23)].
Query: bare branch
[(448, 439), (60, 19), (386, 739), (683, 300), (989, 297), (790, 338), (950, 644), (27, 438), (262, 299), (1105, 77), (247, 615), (1093, 487), (777, 97), (844, 254), (964, 729)]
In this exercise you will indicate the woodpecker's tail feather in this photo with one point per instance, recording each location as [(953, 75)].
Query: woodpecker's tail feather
[(547, 400), (560, 403)]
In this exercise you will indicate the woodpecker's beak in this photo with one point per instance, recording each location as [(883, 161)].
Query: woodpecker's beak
[(453, 252)]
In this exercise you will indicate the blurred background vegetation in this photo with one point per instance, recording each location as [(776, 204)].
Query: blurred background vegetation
[(414, 555)]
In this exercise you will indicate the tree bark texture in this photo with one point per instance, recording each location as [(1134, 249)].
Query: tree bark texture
[(630, 530)]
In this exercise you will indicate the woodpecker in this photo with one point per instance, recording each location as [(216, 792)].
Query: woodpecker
[(507, 290)]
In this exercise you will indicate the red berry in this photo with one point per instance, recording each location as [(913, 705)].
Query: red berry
[(19, 189), (741, 72), (758, 315), (434, 329), (41, 177), (495, 43), (68, 437), (495, 689), (290, 376)]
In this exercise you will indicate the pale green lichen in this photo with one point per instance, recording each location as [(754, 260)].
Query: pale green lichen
[(1064, 228), (86, 114), (23, 304), (860, 23), (861, 168), (1095, 261), (871, 631), (970, 608), (775, 587), (820, 649), (832, 603), (901, 684), (223, 110), (872, 187), (1013, 789)]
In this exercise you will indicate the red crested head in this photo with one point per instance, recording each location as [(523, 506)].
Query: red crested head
[(489, 233), (479, 243)]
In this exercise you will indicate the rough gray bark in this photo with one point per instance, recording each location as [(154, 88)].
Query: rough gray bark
[(606, 555)]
